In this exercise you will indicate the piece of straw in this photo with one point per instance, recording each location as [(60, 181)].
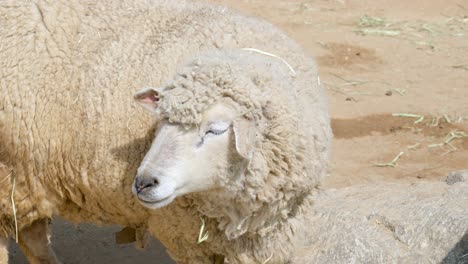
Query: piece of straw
[(14, 207), (391, 163), (414, 146), (447, 119), (419, 119), (378, 32), (448, 138), (268, 259), (272, 55), (202, 237), (464, 67), (6, 177), (371, 21)]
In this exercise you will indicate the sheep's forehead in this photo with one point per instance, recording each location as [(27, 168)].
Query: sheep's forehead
[(219, 112), (206, 82), (191, 106)]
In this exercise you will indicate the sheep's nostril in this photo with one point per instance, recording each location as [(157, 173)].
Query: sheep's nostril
[(142, 183)]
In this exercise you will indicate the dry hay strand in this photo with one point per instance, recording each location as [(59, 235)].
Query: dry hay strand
[(419, 119), (463, 67), (421, 33), (11, 176), (391, 163), (343, 88), (268, 259), (272, 55), (12, 200), (455, 134), (202, 237), (377, 26), (13, 206)]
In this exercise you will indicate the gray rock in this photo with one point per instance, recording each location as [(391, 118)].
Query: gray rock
[(457, 176), (389, 223)]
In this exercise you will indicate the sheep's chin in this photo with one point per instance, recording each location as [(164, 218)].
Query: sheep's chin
[(157, 204), (157, 196)]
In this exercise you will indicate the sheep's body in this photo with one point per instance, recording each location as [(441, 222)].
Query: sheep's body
[(69, 129), (3, 251), (253, 216)]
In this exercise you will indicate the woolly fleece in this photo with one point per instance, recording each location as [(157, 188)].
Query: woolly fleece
[(3, 250), (256, 213), (73, 137)]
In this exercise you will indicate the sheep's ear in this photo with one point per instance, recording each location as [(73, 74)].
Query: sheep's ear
[(244, 135), (149, 98)]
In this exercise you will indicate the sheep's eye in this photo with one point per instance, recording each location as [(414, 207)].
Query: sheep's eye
[(217, 128), (215, 132)]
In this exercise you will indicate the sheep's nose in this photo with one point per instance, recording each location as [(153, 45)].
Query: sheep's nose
[(144, 182)]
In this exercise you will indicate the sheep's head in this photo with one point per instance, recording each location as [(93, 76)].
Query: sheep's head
[(192, 159), (229, 135)]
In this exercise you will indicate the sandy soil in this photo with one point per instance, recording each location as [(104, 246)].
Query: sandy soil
[(418, 66), (406, 57)]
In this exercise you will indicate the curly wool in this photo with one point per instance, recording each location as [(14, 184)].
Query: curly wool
[(262, 205), (3, 251), (74, 138), (199, 85), (253, 83)]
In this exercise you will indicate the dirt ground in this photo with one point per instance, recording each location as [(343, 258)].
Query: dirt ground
[(378, 59)]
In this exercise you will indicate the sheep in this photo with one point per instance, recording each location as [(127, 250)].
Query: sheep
[(239, 149), (71, 136), (3, 251), (245, 143)]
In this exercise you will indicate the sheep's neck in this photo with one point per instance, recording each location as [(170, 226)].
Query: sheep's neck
[(280, 221), (276, 234)]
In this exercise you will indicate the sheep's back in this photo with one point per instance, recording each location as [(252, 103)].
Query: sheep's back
[(68, 123)]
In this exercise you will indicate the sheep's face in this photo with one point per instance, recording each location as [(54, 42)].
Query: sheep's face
[(182, 160)]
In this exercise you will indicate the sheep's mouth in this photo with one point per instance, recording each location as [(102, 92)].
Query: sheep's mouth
[(155, 204)]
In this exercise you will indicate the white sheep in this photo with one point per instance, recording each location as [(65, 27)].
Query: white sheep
[(3, 251), (239, 150), (244, 144), (72, 140)]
